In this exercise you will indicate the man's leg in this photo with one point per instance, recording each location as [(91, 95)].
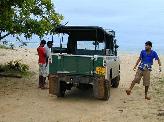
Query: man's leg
[(44, 84), (40, 76), (40, 81), (146, 82), (146, 91), (136, 80), (44, 81), (128, 91), (44, 76)]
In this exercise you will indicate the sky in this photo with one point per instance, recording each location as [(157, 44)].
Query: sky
[(135, 21)]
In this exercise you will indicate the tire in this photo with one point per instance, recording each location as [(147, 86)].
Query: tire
[(107, 86), (116, 81), (61, 89)]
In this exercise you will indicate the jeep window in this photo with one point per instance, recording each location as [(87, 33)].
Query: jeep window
[(90, 45), (61, 39), (60, 45), (90, 48)]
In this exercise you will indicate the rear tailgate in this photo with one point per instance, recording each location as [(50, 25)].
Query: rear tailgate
[(82, 65)]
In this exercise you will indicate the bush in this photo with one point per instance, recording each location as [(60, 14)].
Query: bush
[(3, 47), (15, 66)]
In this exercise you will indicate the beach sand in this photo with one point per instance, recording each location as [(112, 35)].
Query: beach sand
[(22, 101)]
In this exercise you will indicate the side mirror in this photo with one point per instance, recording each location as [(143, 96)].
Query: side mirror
[(108, 52), (116, 46)]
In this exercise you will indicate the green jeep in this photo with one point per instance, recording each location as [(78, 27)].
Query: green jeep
[(89, 60)]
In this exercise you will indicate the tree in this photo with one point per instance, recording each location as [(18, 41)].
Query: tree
[(27, 17)]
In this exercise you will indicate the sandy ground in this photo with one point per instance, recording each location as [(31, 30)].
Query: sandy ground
[(22, 101)]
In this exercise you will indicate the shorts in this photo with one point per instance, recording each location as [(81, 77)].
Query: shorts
[(43, 70), (145, 75)]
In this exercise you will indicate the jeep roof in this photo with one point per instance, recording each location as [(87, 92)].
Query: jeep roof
[(86, 33)]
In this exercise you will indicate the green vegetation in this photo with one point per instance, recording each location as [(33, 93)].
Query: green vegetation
[(14, 68), (27, 17), (3, 47)]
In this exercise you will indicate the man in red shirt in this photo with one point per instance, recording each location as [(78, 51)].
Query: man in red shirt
[(42, 64)]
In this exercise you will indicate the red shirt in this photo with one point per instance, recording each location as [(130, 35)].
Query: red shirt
[(42, 55)]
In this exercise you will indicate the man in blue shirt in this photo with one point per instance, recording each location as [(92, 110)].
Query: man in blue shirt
[(144, 68)]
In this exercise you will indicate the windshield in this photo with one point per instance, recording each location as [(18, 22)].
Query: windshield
[(90, 45), (90, 48), (71, 46)]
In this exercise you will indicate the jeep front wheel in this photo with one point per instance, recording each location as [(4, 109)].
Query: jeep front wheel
[(115, 82)]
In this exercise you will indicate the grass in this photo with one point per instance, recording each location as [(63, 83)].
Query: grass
[(14, 69), (3, 47), (16, 74)]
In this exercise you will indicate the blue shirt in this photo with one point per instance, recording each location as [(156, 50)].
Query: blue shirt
[(147, 59)]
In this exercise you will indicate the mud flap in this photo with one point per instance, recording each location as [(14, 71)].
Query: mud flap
[(101, 88), (53, 84)]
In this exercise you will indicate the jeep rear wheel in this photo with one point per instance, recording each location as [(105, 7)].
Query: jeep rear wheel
[(115, 82), (61, 89)]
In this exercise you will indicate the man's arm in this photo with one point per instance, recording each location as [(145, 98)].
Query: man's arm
[(160, 65), (159, 62), (138, 61), (47, 55), (46, 61)]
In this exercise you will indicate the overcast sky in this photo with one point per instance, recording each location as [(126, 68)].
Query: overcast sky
[(134, 21)]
